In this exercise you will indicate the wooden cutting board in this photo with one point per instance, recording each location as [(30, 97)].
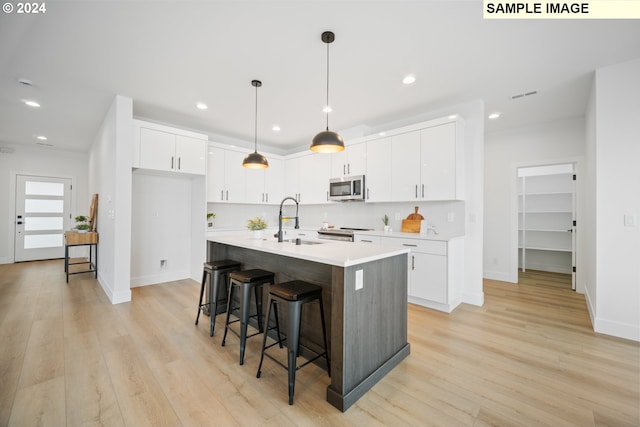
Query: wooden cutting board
[(411, 225)]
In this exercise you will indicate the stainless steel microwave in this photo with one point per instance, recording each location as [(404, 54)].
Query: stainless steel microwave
[(346, 188)]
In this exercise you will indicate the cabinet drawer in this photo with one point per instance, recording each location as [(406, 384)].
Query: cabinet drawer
[(417, 245)]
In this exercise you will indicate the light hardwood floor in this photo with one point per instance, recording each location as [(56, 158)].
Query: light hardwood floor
[(527, 357)]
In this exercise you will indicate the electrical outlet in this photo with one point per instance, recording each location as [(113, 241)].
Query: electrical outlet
[(163, 263), (359, 279), (451, 217)]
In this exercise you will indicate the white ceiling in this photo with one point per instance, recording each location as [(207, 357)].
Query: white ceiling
[(169, 55)]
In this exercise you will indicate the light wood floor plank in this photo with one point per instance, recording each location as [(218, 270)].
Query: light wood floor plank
[(528, 357)]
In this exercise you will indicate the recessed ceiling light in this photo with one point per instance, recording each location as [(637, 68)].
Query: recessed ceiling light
[(410, 79), (494, 115), (382, 133), (327, 109), (453, 116), (41, 137), (201, 106), (276, 128), (31, 103)]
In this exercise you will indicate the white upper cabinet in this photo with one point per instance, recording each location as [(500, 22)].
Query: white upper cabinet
[(307, 178), (162, 148), (405, 166), (428, 164), (378, 176), (265, 185), (350, 161), (225, 177)]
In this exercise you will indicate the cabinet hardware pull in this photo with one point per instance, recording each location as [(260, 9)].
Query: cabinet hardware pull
[(171, 162), (368, 193), (262, 197), (416, 191), (227, 194), (409, 244), (179, 162), (423, 191), (221, 194), (343, 169), (267, 197), (413, 262), (348, 168), (367, 241)]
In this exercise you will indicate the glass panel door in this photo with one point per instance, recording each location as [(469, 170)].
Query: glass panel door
[(43, 209)]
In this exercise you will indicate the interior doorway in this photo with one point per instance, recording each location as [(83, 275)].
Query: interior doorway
[(43, 212), (547, 219)]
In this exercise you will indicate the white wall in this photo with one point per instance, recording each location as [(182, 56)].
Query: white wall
[(110, 177), (161, 228), (617, 157), (546, 143), (36, 160)]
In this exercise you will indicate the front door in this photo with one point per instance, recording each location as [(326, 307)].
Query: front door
[(43, 211)]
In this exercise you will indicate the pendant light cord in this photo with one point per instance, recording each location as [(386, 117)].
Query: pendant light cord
[(255, 137), (327, 106)]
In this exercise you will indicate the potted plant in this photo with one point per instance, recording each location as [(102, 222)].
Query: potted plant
[(210, 217), (256, 225), (385, 221), (82, 223)]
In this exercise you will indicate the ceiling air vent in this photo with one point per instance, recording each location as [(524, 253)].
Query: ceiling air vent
[(522, 95)]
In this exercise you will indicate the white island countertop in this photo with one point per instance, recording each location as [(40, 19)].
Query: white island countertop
[(341, 254)]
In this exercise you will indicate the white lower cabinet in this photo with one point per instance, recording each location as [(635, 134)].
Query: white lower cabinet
[(435, 271)]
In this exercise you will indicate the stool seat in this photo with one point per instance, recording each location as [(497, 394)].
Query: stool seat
[(222, 264), (212, 276), (249, 276), (295, 290)]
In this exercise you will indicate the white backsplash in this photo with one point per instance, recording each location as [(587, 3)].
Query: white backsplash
[(344, 214)]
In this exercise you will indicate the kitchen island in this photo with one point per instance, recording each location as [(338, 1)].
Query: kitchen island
[(365, 297)]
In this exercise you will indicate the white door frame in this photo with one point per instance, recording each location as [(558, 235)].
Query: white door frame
[(11, 223), (579, 187)]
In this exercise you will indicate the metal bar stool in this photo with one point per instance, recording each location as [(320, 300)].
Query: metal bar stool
[(293, 295), (212, 274), (246, 281)]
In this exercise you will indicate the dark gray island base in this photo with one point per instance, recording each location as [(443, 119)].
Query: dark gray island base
[(367, 328)]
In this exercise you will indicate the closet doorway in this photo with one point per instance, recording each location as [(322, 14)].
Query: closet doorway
[(547, 220)]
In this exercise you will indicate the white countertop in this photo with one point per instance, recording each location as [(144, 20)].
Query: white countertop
[(341, 254)]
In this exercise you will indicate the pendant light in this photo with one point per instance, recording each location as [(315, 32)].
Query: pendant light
[(327, 141), (255, 160)]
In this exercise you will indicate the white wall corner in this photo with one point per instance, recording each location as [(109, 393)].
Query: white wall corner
[(501, 276), (617, 329), (473, 298)]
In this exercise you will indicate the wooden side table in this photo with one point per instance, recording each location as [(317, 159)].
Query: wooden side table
[(74, 238)]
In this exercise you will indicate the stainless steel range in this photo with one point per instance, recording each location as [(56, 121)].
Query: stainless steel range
[(344, 234)]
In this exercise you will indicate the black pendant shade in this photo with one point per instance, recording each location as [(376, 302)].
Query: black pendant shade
[(255, 160), (327, 141)]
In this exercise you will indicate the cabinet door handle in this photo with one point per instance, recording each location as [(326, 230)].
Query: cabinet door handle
[(227, 194), (221, 194), (179, 162), (416, 191), (410, 244), (368, 193), (423, 191), (171, 162), (413, 262), (366, 241), (262, 197), (344, 169), (327, 196), (348, 168), (266, 199)]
